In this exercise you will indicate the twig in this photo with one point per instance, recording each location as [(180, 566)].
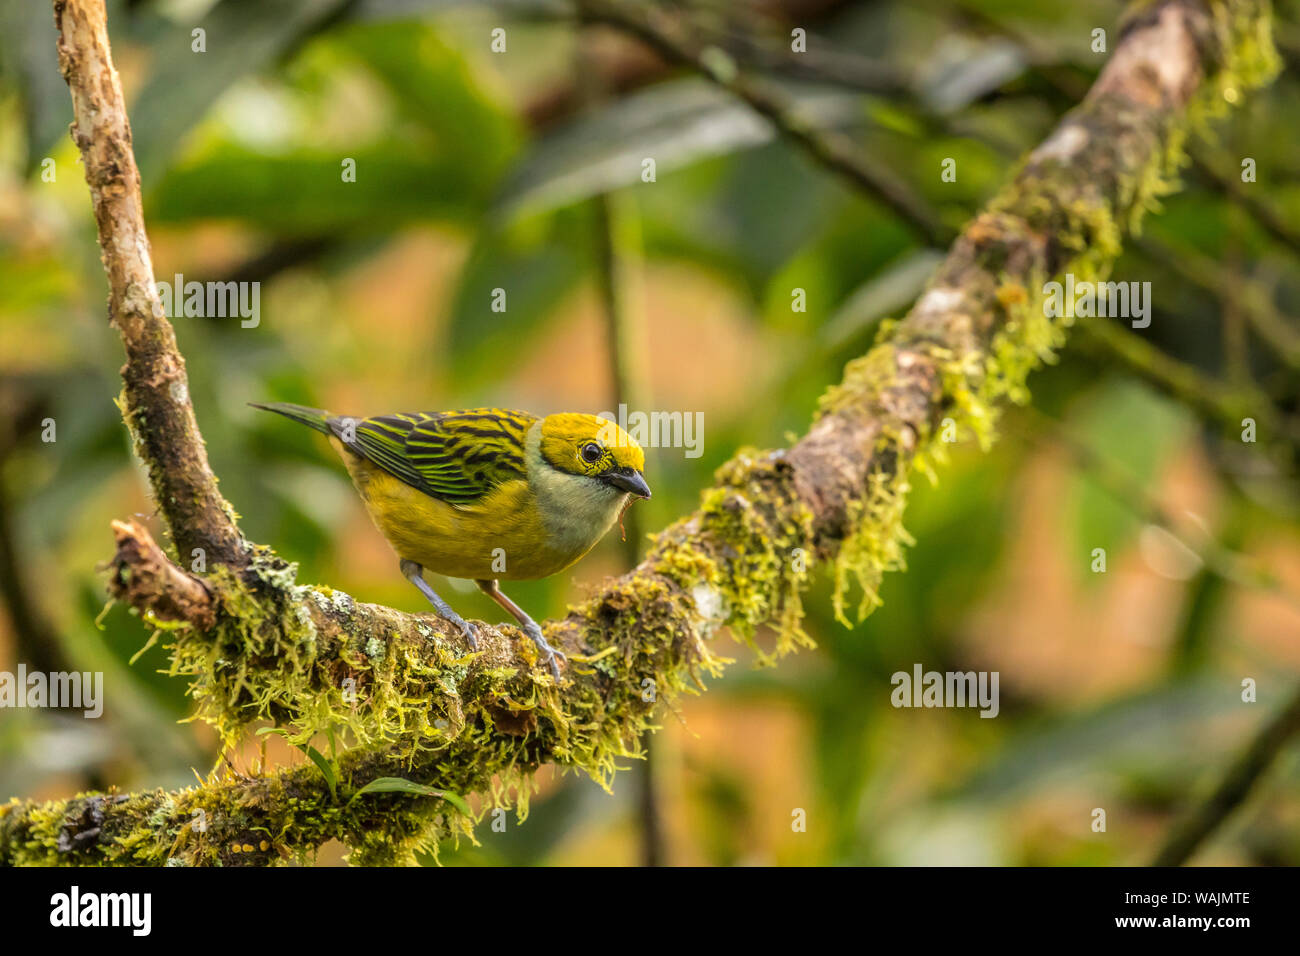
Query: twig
[(828, 147), (158, 409), (1224, 404), (1236, 785), (1064, 83), (142, 576), (626, 349), (1250, 295), (1257, 209), (1221, 561)]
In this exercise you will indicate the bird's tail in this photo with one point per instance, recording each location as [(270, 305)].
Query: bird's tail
[(311, 417)]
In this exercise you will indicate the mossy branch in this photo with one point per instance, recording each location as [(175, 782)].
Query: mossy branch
[(404, 690)]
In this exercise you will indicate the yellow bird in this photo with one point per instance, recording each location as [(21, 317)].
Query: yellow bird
[(486, 493)]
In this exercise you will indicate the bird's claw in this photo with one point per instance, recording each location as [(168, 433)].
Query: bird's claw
[(549, 654), (470, 633)]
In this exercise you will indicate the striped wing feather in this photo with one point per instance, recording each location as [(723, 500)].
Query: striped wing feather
[(457, 457)]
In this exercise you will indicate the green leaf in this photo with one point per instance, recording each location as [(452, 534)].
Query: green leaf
[(1137, 431), (326, 768), (433, 85), (886, 293), (537, 264), (315, 756), (240, 38), (402, 785), (303, 193), (442, 157), (969, 69), (28, 62), (675, 123)]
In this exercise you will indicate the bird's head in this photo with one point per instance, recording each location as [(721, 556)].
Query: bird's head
[(595, 448)]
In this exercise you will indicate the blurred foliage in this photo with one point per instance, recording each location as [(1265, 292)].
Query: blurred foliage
[(376, 296)]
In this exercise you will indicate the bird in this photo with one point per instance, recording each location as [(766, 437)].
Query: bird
[(487, 494)]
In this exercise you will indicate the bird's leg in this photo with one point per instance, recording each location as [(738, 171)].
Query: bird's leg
[(415, 574), (549, 654)]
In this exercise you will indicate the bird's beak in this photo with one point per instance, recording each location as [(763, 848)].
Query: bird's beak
[(629, 480)]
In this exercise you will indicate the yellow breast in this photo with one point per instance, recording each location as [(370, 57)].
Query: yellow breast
[(501, 536)]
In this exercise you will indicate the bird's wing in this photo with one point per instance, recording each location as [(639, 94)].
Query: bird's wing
[(457, 457)]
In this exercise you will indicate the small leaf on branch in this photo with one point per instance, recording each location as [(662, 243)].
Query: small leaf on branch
[(401, 785)]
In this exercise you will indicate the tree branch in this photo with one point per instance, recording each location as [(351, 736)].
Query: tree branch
[(674, 40), (405, 690), (1221, 561), (156, 403), (1249, 767), (1278, 333), (1224, 404)]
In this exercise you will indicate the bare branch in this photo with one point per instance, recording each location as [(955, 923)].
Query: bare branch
[(674, 40), (1224, 404), (1236, 784), (157, 400)]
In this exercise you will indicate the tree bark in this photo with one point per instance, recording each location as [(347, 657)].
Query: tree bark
[(156, 405)]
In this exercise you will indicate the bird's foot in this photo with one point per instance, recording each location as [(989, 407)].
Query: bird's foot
[(415, 574), (549, 654), (467, 629)]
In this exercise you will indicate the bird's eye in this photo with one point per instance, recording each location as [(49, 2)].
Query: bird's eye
[(591, 453)]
